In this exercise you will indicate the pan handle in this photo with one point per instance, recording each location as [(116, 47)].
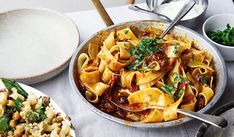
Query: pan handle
[(102, 12), (131, 1)]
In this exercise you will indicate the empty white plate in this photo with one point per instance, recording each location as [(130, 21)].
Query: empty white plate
[(35, 44)]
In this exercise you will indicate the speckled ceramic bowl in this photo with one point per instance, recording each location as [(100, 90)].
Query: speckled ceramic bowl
[(178, 30)]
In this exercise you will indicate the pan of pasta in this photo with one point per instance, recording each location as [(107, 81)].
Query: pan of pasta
[(27, 112), (128, 66)]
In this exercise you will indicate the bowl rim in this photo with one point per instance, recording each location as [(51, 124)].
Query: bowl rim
[(140, 124), (205, 33)]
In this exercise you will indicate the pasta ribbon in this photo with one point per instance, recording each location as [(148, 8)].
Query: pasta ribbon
[(207, 93), (90, 75), (150, 97), (110, 41), (97, 88), (170, 112), (106, 75), (127, 34), (83, 61), (148, 77), (154, 115), (128, 78), (197, 64), (91, 97), (93, 50), (121, 52), (110, 60)]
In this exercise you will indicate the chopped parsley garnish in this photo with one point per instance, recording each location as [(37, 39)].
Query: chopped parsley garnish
[(37, 115), (146, 67), (41, 111), (18, 104), (175, 48), (225, 37), (179, 93), (32, 117), (126, 31), (203, 78), (179, 78), (148, 46), (4, 126), (171, 90), (145, 48)]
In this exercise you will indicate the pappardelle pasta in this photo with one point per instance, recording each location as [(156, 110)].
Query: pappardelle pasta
[(138, 69), (23, 114)]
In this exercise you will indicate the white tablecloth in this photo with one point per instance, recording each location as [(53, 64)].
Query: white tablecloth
[(89, 124)]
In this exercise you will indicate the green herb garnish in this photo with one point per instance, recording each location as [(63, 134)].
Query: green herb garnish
[(126, 31), (203, 78), (41, 111), (179, 93), (225, 37), (33, 117), (169, 89), (178, 78), (148, 46), (4, 126), (175, 48), (37, 115), (146, 67), (145, 48)]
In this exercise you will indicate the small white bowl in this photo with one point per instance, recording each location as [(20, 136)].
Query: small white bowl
[(219, 22)]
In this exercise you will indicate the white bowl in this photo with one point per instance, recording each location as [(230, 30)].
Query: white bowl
[(219, 22), (35, 44)]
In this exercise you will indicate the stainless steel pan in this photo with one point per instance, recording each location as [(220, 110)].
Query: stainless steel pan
[(98, 37)]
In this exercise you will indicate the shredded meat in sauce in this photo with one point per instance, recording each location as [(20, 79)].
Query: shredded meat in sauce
[(200, 103)]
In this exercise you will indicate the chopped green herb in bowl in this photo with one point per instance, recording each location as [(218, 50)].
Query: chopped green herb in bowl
[(224, 37)]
